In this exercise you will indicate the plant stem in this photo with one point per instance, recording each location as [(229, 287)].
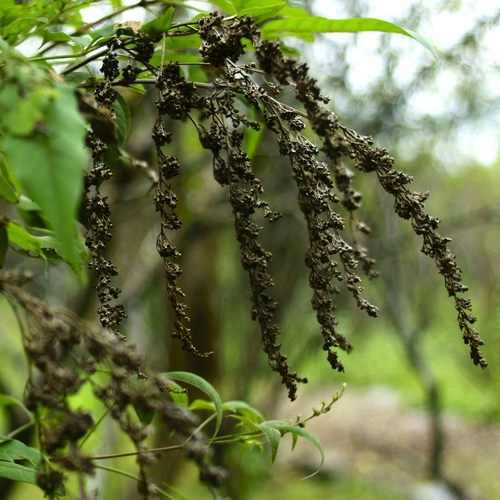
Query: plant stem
[(137, 478), (78, 65), (132, 453), (95, 427), (15, 432)]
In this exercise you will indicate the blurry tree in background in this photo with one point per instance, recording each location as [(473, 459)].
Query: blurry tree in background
[(441, 123), (384, 86)]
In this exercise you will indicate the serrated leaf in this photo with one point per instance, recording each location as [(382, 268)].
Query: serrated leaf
[(179, 43), (160, 25), (49, 164), (31, 213), (292, 27), (284, 428), (205, 387), (273, 437)]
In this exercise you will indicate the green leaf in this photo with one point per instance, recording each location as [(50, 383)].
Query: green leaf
[(17, 472), (244, 409), (122, 113), (249, 425), (205, 387), (258, 9), (4, 245), (252, 140), (6, 400), (273, 436), (178, 396), (225, 5), (160, 25), (31, 213), (21, 237), (295, 12), (179, 43), (292, 27), (77, 77), (145, 417), (103, 32), (54, 36), (11, 451), (20, 25), (82, 41), (22, 114), (201, 404), (49, 164), (284, 428), (6, 189)]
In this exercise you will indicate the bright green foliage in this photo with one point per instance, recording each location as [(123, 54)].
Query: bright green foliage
[(308, 25), (275, 429), (12, 452), (204, 386), (160, 25), (43, 141)]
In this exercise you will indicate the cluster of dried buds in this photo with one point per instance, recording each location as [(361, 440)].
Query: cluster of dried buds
[(63, 353), (321, 184), (53, 338)]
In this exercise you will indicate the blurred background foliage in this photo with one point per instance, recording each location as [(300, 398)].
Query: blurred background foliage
[(418, 420)]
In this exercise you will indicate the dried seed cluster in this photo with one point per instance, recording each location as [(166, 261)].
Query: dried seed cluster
[(63, 353), (98, 212), (321, 185), (176, 98), (409, 205)]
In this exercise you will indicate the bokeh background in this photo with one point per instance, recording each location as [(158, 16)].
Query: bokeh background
[(417, 421)]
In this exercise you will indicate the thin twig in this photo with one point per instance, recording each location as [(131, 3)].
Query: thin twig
[(132, 453)]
